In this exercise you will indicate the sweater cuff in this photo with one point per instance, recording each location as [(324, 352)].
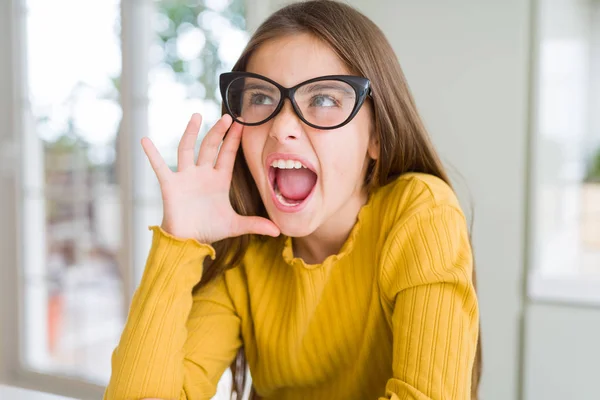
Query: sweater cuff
[(163, 239)]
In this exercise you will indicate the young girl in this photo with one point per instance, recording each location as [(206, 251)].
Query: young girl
[(321, 241)]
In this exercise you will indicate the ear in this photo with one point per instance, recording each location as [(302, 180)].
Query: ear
[(373, 149)]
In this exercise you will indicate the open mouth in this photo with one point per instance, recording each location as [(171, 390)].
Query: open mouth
[(292, 183)]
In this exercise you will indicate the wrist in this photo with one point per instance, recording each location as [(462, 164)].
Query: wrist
[(167, 238), (183, 234)]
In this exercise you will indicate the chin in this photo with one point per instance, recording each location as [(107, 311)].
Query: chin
[(293, 227), (294, 224)]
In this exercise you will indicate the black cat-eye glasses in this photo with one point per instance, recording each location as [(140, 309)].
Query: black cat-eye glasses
[(326, 102)]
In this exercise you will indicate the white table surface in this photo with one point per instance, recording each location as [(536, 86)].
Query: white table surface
[(13, 393)]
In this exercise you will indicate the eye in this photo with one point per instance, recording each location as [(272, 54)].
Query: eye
[(260, 99), (323, 101)]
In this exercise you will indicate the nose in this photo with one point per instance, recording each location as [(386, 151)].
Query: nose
[(286, 124)]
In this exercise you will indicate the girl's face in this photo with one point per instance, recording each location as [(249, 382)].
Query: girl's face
[(302, 200)]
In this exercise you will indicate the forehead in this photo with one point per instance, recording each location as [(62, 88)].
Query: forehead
[(292, 59)]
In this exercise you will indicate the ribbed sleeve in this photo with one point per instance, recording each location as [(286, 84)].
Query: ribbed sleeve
[(426, 282), (155, 356)]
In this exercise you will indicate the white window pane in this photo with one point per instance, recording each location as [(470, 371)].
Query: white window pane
[(566, 185), (74, 302)]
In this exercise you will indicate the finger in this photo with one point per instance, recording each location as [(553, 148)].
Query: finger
[(229, 148), (185, 151), (211, 142), (160, 167), (256, 225)]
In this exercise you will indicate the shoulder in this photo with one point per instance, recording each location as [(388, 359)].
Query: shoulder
[(411, 194), (408, 195)]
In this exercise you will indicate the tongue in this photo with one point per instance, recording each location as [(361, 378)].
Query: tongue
[(295, 184)]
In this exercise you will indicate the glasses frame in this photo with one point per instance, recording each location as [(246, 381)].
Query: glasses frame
[(361, 86)]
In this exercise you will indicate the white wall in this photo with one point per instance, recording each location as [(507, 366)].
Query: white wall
[(467, 63), (562, 353)]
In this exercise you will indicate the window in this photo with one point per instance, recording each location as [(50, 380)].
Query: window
[(71, 233), (565, 201), (91, 88)]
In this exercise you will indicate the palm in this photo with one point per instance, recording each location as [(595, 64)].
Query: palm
[(196, 198)]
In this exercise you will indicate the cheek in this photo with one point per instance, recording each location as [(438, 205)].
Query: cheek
[(252, 148), (246, 147), (344, 158), (252, 158)]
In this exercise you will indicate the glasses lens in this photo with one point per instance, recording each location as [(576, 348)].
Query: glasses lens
[(252, 99), (326, 103)]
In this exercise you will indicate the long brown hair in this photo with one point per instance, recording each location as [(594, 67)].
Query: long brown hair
[(404, 145)]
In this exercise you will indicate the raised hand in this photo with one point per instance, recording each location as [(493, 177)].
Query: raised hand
[(196, 198)]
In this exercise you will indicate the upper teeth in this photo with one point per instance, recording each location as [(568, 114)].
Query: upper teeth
[(287, 164)]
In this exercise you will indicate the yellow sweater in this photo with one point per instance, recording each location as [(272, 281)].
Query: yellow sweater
[(392, 316)]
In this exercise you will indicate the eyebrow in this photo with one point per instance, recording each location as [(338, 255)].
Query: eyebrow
[(319, 86), (260, 86)]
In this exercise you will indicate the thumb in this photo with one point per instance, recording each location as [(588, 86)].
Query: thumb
[(256, 225)]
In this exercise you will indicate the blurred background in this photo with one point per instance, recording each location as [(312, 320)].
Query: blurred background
[(509, 90)]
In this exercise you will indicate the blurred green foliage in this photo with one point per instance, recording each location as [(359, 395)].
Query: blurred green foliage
[(183, 15), (593, 173)]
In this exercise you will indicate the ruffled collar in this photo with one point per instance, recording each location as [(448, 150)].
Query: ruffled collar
[(288, 251)]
